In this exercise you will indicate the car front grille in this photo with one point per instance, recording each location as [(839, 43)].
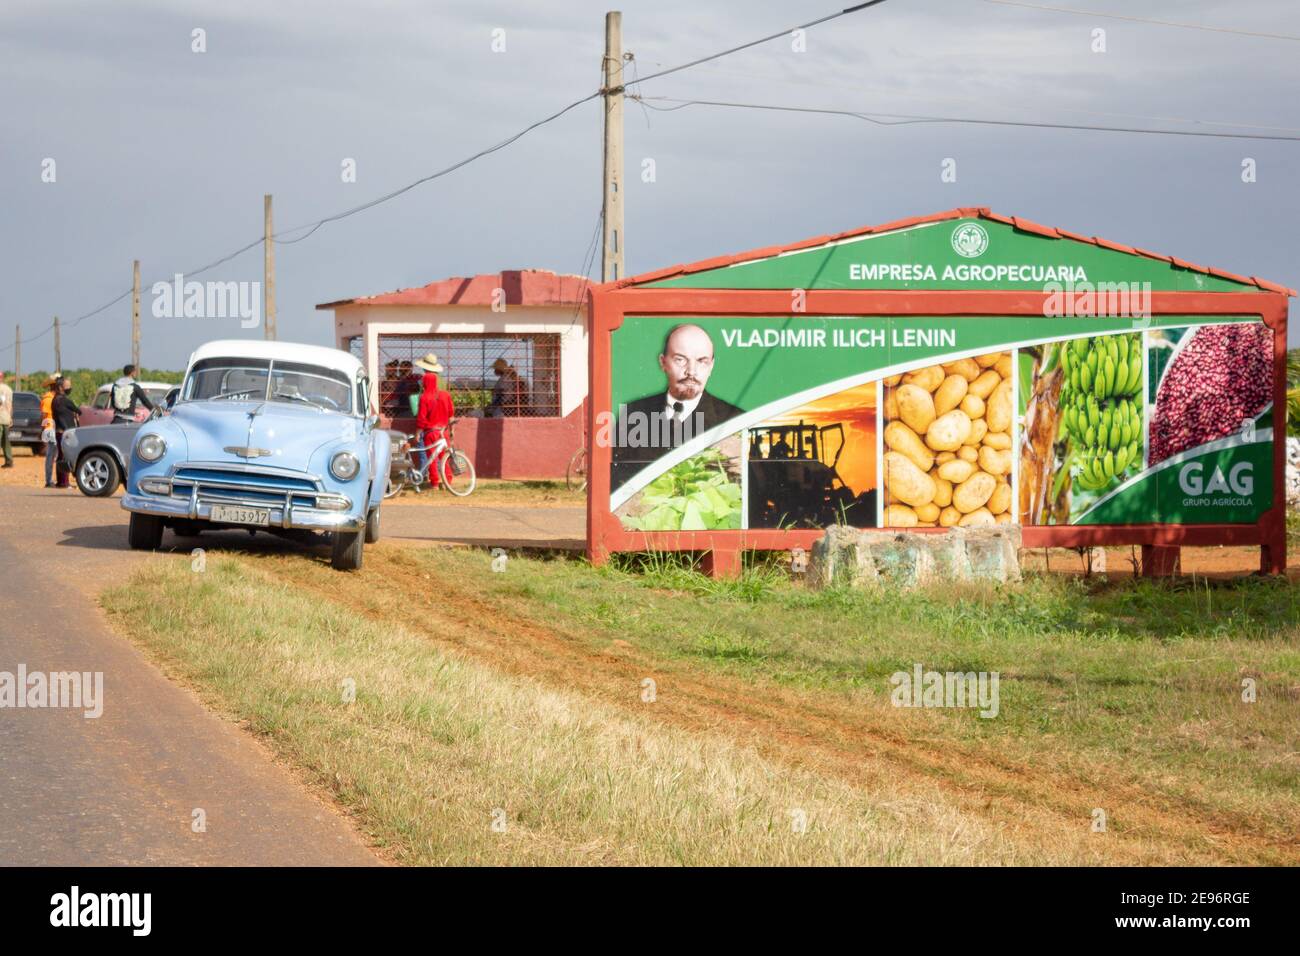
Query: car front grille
[(245, 485)]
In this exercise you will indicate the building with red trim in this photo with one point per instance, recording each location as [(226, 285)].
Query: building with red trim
[(532, 319)]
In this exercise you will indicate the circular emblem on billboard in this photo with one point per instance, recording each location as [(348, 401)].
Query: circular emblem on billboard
[(969, 240)]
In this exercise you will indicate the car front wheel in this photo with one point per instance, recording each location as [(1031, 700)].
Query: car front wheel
[(97, 474), (372, 526), (145, 532), (347, 550)]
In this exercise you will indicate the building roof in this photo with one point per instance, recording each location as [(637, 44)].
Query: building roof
[(321, 355), (537, 287), (969, 212)]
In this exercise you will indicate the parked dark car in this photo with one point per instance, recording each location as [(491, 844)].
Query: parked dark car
[(98, 454), (26, 428)]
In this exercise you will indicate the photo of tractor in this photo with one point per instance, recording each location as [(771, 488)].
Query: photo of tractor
[(794, 482)]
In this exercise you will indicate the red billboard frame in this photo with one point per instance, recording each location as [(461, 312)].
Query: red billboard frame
[(610, 303)]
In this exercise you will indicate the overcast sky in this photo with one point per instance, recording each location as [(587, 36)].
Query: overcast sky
[(163, 154)]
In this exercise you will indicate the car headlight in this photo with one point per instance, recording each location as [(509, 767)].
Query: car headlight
[(151, 447), (344, 466)]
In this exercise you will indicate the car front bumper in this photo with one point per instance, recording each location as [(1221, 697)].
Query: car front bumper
[(285, 516)]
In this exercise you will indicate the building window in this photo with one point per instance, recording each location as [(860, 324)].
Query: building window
[(528, 385)]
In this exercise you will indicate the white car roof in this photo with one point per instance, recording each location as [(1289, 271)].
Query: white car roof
[(322, 355)]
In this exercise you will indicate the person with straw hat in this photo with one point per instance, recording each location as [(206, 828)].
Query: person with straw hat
[(435, 409), (509, 394)]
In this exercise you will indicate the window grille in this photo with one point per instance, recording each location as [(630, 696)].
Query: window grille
[(528, 388)]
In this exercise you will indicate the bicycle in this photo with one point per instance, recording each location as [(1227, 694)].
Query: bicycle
[(575, 476), (455, 470)]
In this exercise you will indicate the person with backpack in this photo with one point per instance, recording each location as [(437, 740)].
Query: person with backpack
[(125, 394)]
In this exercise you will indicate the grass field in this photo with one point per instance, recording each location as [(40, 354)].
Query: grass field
[(528, 693)]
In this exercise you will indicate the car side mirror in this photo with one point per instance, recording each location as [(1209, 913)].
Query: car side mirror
[(372, 421)]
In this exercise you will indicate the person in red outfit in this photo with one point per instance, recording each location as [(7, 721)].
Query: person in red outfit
[(436, 409)]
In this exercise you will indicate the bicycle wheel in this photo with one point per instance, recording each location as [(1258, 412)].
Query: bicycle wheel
[(575, 476), (396, 482), (462, 484)]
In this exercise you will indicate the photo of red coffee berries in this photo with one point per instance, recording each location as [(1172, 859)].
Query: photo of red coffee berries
[(1221, 378)]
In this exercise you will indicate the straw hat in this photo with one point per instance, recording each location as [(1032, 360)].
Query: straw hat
[(429, 363)]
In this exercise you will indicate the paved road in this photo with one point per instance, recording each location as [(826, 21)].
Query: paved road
[(122, 788)]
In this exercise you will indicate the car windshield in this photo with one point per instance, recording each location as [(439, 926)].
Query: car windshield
[(157, 395), (299, 383), (26, 402)]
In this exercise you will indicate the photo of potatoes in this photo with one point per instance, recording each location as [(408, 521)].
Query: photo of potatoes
[(948, 444)]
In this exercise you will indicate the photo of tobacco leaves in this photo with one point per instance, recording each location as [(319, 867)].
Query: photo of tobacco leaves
[(702, 493), (1081, 404)]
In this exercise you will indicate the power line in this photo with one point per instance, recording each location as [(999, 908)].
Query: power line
[(436, 175), (588, 261), (312, 227), (751, 43), (972, 100), (1162, 23), (904, 119)]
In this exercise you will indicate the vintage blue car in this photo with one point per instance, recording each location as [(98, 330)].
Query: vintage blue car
[(268, 436)]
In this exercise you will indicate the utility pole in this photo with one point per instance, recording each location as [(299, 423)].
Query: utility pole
[(612, 230), (135, 316), (58, 352), (268, 279), (18, 358)]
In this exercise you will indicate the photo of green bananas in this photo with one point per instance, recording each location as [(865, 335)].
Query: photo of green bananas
[(1101, 406)]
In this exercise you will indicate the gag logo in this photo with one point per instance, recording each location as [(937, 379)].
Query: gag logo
[(1240, 480)]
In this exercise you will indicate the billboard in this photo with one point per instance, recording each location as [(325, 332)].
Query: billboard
[(963, 369), (733, 423)]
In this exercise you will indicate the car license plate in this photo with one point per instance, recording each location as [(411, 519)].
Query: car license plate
[(257, 516)]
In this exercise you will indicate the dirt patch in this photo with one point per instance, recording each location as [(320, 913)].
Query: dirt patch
[(825, 733), (1211, 562), (498, 492), (28, 471)]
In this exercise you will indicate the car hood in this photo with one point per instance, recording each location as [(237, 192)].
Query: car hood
[(286, 434)]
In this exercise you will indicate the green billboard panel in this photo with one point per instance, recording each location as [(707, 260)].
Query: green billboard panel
[(968, 253), (734, 422)]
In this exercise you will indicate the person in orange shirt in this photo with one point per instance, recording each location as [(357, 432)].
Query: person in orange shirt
[(47, 430)]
